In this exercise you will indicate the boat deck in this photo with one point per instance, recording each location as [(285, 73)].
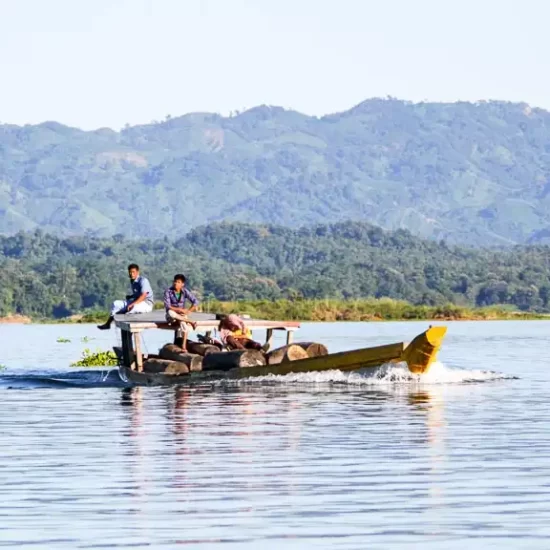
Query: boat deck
[(137, 322)]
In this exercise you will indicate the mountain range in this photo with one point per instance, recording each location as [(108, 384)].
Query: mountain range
[(469, 173)]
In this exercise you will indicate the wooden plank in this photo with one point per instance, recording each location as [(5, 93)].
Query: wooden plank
[(205, 321), (207, 325), (289, 337), (184, 334), (159, 316), (269, 337), (139, 355)]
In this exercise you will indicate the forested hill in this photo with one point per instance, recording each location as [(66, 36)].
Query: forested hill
[(46, 275), (476, 174)]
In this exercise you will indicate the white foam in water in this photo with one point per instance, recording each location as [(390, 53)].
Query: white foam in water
[(441, 374), (386, 374)]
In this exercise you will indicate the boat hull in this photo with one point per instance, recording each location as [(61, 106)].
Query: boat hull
[(418, 355)]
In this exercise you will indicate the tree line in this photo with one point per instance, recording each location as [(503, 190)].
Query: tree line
[(44, 275)]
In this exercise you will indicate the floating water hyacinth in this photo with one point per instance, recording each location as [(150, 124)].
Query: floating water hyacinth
[(62, 340), (97, 359)]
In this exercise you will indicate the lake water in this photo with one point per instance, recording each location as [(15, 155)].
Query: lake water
[(379, 461)]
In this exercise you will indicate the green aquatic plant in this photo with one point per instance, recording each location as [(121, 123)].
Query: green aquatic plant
[(86, 339), (97, 359), (2, 367), (62, 340)]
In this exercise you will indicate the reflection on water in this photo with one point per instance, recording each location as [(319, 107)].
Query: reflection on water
[(431, 404), (342, 461)]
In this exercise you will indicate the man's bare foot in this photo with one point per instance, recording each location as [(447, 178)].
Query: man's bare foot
[(193, 325)]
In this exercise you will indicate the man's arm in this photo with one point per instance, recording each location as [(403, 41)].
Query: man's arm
[(139, 299), (194, 302)]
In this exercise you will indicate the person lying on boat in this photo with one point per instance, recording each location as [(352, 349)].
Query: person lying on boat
[(175, 299), (235, 334), (140, 301)]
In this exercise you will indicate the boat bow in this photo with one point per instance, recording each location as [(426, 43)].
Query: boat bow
[(422, 351)]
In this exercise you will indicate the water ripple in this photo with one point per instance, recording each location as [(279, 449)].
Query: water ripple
[(376, 459)]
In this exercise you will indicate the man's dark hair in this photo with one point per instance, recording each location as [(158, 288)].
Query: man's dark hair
[(180, 277), (133, 266)]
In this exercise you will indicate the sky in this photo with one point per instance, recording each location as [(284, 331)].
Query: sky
[(107, 63)]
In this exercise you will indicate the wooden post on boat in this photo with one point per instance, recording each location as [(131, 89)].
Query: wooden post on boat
[(128, 354), (139, 355), (184, 334), (269, 337), (289, 337)]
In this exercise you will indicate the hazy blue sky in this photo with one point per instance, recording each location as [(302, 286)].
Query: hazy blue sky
[(93, 63)]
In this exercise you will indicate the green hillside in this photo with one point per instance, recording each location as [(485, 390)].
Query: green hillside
[(476, 174), (46, 275)]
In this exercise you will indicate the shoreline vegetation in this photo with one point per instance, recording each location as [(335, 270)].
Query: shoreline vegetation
[(330, 310)]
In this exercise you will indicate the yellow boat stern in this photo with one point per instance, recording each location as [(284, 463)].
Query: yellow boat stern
[(422, 351)]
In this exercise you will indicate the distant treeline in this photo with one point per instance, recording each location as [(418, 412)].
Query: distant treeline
[(47, 276)]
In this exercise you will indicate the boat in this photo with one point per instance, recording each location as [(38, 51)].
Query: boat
[(418, 355)]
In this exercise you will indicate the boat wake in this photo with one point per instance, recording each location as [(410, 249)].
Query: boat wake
[(62, 379), (385, 375), (390, 374)]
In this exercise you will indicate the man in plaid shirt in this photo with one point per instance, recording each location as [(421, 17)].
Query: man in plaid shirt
[(175, 302)]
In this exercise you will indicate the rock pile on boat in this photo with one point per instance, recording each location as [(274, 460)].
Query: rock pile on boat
[(173, 360)]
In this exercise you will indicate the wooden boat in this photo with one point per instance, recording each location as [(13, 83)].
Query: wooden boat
[(418, 355)]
